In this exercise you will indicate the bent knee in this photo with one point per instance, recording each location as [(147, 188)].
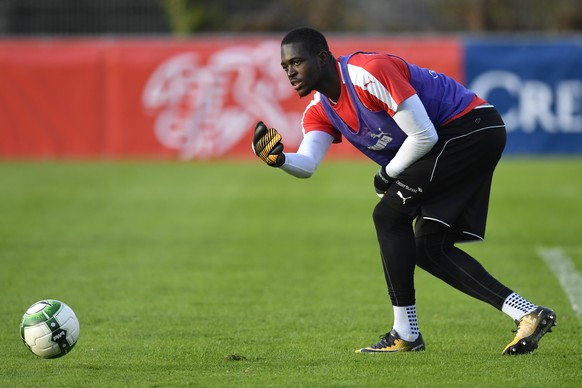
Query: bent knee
[(388, 218), (431, 247)]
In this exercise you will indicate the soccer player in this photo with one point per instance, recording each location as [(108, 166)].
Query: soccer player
[(437, 144)]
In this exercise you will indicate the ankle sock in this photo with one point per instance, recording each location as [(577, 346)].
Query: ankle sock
[(516, 307), (405, 322)]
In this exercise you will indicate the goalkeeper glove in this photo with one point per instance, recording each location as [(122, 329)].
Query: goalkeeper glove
[(382, 181), (267, 145)]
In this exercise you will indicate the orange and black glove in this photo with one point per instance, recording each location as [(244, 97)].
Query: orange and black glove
[(267, 145)]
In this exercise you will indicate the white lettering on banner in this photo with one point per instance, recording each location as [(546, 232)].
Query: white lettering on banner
[(554, 110), (569, 105), (203, 110)]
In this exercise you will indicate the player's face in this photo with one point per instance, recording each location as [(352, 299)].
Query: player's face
[(302, 68)]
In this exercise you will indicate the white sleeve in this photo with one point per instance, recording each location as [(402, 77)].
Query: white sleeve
[(412, 118), (312, 149)]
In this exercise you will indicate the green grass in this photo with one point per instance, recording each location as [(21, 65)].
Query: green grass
[(235, 274)]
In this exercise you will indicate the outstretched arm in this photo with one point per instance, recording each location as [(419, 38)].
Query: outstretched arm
[(312, 149), (268, 146)]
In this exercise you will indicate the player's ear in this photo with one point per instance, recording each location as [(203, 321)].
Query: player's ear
[(323, 57)]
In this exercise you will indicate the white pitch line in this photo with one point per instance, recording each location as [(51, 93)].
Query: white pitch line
[(566, 273)]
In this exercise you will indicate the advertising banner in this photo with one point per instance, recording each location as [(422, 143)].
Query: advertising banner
[(536, 86), (199, 98)]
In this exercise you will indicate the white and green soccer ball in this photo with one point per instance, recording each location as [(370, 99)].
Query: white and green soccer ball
[(49, 328)]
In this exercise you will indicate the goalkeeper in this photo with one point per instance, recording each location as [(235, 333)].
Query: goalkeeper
[(437, 145)]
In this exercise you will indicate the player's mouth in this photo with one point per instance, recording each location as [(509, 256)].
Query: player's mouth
[(296, 84)]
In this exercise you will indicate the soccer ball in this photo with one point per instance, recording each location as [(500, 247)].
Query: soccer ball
[(49, 328)]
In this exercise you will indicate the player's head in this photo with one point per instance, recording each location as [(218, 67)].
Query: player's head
[(312, 40), (305, 57)]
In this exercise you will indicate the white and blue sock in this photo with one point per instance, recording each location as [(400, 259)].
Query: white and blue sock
[(516, 306), (405, 322)]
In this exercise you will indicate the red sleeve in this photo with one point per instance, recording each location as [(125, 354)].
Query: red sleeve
[(382, 81)]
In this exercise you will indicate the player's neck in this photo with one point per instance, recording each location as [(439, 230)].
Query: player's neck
[(330, 85)]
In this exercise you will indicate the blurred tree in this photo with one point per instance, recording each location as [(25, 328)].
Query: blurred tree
[(509, 15), (185, 16), (375, 15), (260, 15)]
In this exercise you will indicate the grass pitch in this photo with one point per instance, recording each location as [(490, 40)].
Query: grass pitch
[(236, 274)]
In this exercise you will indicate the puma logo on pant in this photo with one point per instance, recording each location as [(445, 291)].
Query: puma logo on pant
[(403, 197)]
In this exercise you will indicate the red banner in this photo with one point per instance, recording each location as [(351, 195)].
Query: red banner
[(185, 99)]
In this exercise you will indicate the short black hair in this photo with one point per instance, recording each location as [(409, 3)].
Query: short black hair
[(313, 41)]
